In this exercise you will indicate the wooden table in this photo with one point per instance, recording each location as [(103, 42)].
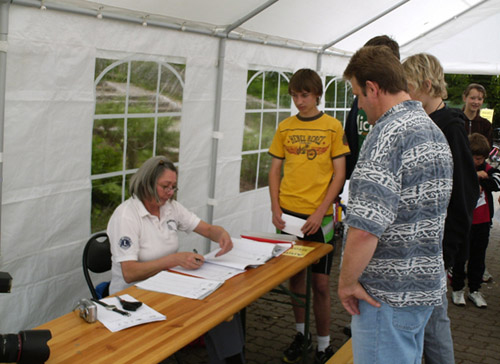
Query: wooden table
[(76, 341)]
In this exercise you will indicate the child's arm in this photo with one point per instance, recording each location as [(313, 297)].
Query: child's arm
[(492, 182), (313, 223), (274, 191)]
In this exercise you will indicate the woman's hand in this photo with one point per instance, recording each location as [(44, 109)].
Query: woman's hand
[(190, 260), (225, 243)]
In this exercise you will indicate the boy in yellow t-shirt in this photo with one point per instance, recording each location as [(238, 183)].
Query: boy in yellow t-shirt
[(312, 147)]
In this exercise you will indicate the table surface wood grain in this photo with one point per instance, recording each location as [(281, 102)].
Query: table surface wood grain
[(76, 341)]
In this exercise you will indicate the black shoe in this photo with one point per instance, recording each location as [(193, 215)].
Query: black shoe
[(294, 352), (322, 357)]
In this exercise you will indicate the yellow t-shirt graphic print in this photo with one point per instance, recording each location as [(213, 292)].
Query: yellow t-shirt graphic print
[(307, 148)]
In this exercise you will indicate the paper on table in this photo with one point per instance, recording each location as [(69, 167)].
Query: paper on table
[(246, 253), (293, 225), (211, 271), (180, 285), (115, 322)]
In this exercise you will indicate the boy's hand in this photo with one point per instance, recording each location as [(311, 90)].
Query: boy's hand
[(313, 223), (278, 222)]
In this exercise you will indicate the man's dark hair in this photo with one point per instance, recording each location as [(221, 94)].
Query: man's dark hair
[(377, 64), (385, 40)]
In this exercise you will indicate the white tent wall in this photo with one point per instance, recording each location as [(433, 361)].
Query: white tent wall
[(48, 137)]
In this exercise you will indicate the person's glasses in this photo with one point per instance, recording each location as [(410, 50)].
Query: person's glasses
[(170, 189)]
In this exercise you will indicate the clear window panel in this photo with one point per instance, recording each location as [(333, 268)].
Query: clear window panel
[(254, 91), (143, 85), (251, 131), (330, 94), (248, 172), (106, 196), (341, 101), (170, 98), (268, 129), (168, 137), (107, 146), (112, 88), (264, 166), (285, 99), (271, 90), (140, 136)]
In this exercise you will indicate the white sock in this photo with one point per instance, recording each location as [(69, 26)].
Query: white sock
[(323, 342), (300, 327)]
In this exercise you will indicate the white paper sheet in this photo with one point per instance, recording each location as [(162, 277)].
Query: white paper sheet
[(115, 322), (293, 225), (211, 271), (180, 285)]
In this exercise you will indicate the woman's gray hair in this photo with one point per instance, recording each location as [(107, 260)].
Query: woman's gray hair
[(143, 182)]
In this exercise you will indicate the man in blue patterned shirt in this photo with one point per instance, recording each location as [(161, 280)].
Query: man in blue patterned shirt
[(392, 273)]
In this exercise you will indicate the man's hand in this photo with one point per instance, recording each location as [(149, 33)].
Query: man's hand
[(350, 296)]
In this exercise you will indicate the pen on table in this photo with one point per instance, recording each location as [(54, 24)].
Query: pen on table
[(197, 259)]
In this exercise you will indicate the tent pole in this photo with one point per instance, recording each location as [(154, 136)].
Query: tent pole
[(215, 135), (4, 30)]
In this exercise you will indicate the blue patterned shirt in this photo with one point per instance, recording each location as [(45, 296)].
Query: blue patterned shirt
[(399, 192)]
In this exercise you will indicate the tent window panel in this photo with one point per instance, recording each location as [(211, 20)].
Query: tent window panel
[(285, 101), (106, 196), (111, 92), (107, 146), (248, 172), (168, 138), (338, 98), (251, 133), (143, 86), (268, 102), (268, 129), (271, 90), (140, 137), (254, 90), (138, 115), (171, 89), (264, 166)]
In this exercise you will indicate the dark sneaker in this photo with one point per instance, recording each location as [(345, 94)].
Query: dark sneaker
[(322, 357), (294, 352)]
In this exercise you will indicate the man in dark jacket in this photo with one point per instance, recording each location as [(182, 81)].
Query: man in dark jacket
[(356, 126), (426, 83)]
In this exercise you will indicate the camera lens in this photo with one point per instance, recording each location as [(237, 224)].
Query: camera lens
[(28, 346), (9, 348)]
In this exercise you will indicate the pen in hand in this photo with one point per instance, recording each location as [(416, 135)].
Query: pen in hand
[(197, 259)]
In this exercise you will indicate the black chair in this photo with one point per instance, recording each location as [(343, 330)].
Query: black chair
[(97, 259)]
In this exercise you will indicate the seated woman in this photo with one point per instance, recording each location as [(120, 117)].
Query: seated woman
[(143, 238)]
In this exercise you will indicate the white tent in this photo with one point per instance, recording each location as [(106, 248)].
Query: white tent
[(47, 102)]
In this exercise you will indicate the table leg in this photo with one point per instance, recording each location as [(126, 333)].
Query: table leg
[(307, 308)]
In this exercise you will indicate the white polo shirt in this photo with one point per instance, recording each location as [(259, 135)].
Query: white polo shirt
[(137, 235)]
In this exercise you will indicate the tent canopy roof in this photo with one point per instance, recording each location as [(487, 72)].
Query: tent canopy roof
[(449, 29)]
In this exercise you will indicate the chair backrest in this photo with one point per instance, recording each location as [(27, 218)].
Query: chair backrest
[(96, 258)]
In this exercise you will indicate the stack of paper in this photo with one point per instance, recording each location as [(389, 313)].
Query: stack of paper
[(180, 285), (245, 253), (116, 322)]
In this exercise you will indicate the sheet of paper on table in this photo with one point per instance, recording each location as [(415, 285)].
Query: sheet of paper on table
[(180, 285), (245, 253), (115, 322)]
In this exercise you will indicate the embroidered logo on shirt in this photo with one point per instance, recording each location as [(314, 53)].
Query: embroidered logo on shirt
[(125, 242), (172, 225)]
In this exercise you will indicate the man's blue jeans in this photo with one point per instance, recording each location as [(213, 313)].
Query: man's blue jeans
[(389, 335)]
